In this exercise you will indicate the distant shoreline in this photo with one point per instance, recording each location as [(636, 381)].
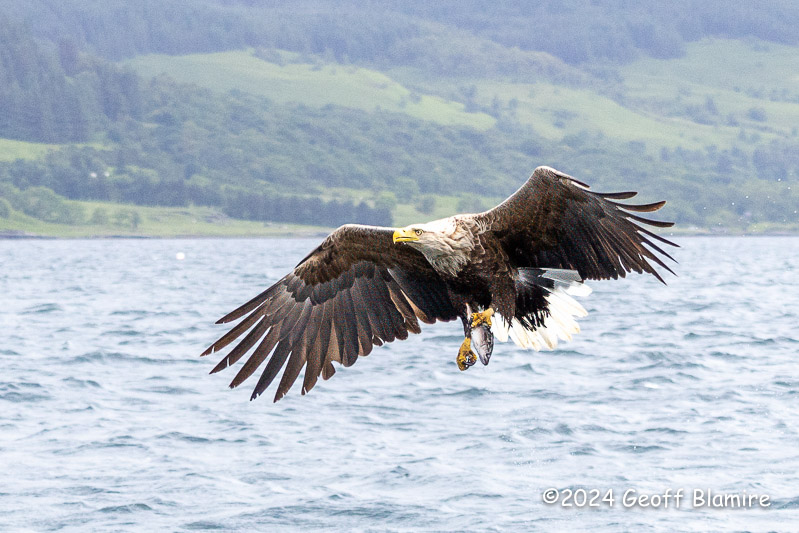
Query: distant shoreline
[(20, 235), (13, 235)]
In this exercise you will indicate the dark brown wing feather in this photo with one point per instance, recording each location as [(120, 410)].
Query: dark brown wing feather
[(552, 222), (355, 290)]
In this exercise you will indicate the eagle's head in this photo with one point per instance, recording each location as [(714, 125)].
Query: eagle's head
[(432, 236), (446, 243)]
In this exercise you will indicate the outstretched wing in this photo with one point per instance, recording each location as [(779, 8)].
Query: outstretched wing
[(355, 290), (554, 221)]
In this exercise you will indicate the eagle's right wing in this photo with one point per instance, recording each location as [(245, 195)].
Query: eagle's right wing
[(355, 290)]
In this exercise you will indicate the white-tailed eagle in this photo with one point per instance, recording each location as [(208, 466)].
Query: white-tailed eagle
[(507, 272)]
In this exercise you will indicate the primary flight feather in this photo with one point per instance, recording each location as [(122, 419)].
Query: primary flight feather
[(509, 272)]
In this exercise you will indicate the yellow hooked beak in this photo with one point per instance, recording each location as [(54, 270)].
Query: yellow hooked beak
[(405, 235)]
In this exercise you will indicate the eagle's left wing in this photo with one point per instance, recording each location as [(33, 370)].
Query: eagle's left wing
[(555, 221)]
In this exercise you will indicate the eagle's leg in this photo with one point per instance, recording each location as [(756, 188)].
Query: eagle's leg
[(466, 357), (482, 318)]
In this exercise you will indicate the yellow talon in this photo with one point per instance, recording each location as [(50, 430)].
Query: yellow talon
[(466, 357), (482, 318)]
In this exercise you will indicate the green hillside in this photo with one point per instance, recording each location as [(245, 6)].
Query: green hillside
[(323, 112), (721, 85), (704, 98), (728, 64), (106, 219), (287, 79), (684, 102)]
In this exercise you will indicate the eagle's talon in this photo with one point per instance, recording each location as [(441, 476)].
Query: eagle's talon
[(482, 318), (466, 357)]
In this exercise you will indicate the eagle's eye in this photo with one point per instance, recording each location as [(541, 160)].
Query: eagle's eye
[(418, 231)]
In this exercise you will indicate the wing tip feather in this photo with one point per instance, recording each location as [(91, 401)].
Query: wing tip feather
[(221, 365), (641, 208), (548, 171)]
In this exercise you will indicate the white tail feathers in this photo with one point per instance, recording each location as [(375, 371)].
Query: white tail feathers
[(560, 324)]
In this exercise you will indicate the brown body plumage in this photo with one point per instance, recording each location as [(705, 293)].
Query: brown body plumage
[(365, 285)]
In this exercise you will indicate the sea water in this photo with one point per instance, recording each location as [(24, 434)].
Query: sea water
[(109, 420)]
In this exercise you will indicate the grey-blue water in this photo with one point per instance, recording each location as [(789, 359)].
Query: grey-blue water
[(109, 420)]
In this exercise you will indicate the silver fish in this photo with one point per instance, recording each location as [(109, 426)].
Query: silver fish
[(482, 342)]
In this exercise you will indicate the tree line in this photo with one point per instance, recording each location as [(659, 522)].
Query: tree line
[(392, 32), (57, 95)]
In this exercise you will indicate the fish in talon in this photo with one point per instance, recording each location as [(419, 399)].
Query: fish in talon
[(482, 342)]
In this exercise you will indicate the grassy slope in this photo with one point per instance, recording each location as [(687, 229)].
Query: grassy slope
[(313, 85), (556, 111), (654, 96), (737, 75), (11, 149), (156, 222), (727, 64)]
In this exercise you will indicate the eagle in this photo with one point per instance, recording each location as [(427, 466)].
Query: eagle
[(509, 272)]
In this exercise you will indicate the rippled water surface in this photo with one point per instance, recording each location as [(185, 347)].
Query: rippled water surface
[(110, 421)]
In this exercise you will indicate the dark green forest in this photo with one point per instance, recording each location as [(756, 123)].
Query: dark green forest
[(396, 31), (128, 139)]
